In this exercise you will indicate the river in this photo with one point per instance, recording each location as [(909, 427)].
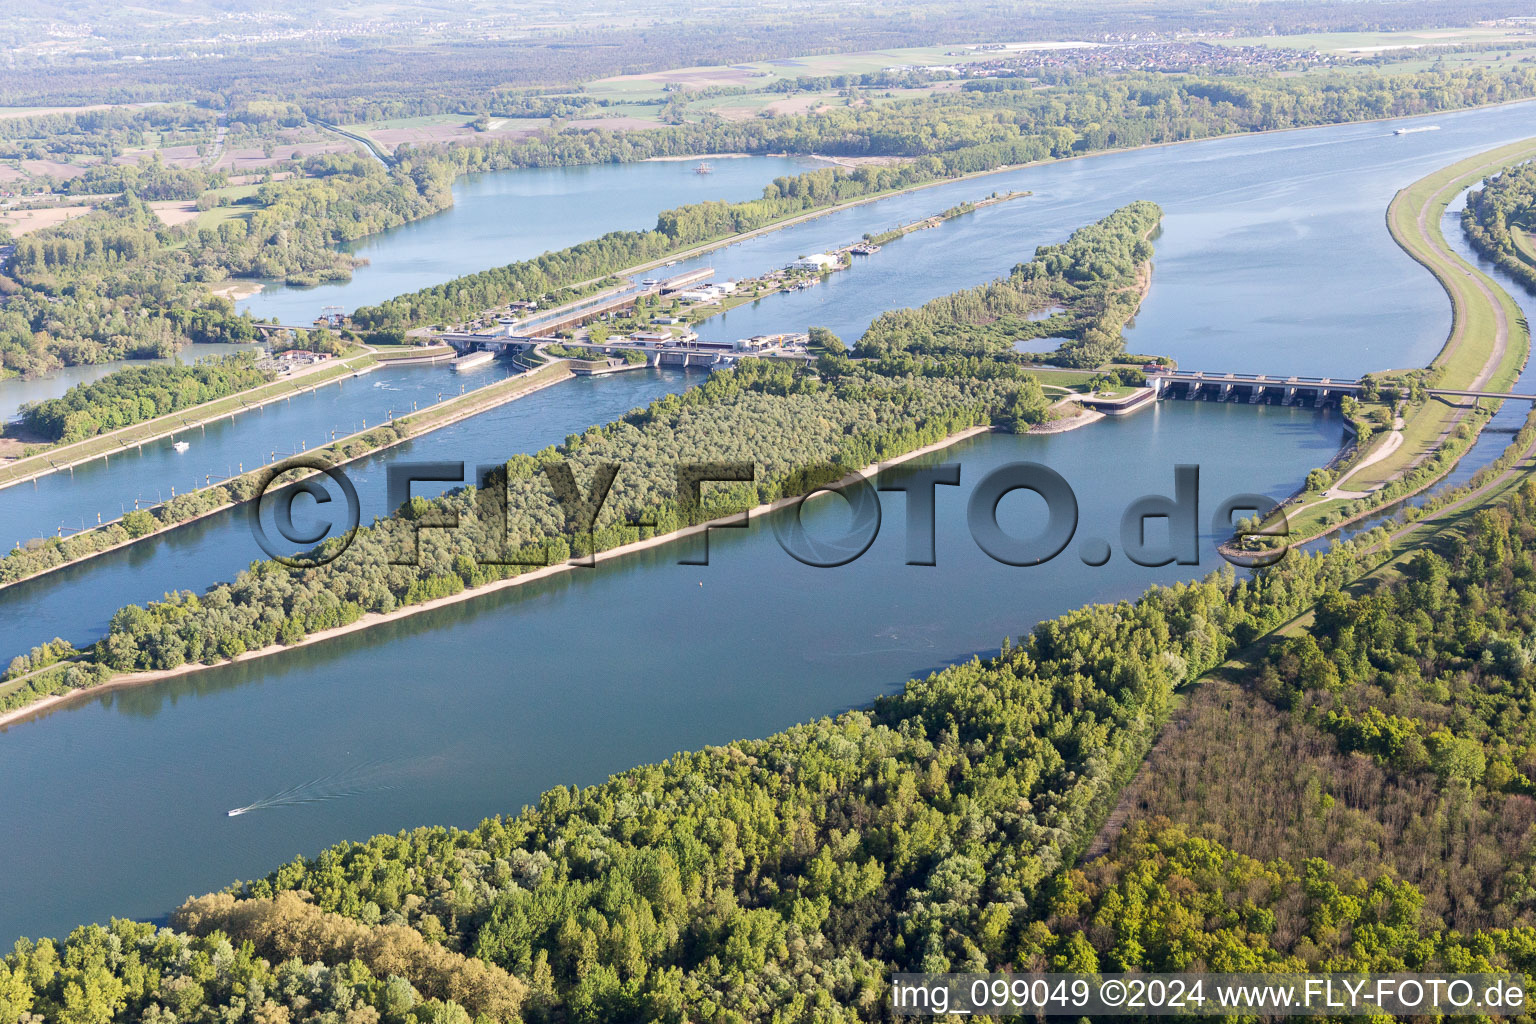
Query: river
[(17, 391), (499, 217), (1273, 258)]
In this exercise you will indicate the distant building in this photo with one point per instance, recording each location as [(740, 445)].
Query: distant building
[(815, 261), (707, 292)]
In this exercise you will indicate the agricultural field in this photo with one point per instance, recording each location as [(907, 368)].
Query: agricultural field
[(1367, 43)]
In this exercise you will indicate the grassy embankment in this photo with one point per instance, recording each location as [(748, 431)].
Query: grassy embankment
[(391, 353), (204, 502), (57, 457), (1486, 348)]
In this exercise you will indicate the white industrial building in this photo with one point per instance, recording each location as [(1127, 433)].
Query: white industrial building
[(712, 292)]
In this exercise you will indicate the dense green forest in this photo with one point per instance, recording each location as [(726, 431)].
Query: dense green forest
[(139, 393), (1094, 274), (1083, 278), (783, 879), (1499, 219), (131, 971), (118, 283)]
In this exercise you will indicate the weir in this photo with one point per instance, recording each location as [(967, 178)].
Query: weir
[(1263, 389)]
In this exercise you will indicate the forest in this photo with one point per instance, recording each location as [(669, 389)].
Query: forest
[(1098, 275), (780, 879), (675, 230), (1499, 218), (376, 65), (139, 393), (947, 827), (1081, 798), (795, 430), (107, 286), (69, 300)]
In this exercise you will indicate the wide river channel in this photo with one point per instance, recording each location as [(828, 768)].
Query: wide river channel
[(1273, 257)]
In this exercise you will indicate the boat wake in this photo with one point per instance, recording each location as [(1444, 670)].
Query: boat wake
[(378, 775)]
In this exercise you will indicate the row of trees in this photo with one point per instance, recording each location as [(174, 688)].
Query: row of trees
[(1094, 277), (1499, 219), (675, 229), (1395, 734), (140, 393)]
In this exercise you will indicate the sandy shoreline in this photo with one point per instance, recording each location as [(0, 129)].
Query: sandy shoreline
[(236, 289), (129, 679)]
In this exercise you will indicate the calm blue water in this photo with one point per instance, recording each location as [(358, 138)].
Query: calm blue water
[(1274, 256), (77, 602), (479, 707), (501, 217), (1499, 433), (71, 500)]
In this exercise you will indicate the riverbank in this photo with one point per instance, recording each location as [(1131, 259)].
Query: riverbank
[(1078, 420), (417, 425), (372, 619), (104, 446), (705, 248), (1486, 349), (782, 279)]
